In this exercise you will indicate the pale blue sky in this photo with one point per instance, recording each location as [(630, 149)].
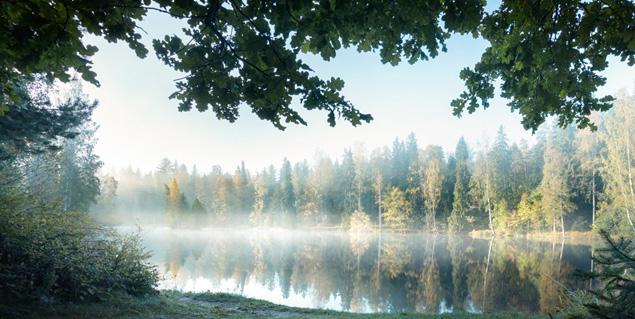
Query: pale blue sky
[(139, 125)]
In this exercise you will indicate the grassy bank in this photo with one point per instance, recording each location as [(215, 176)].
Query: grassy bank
[(170, 304)]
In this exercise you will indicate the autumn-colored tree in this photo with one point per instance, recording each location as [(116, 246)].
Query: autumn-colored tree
[(397, 210), (432, 182)]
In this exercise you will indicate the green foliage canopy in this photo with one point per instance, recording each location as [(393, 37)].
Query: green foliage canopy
[(546, 55)]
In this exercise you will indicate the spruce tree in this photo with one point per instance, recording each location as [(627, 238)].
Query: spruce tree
[(460, 205), (286, 192)]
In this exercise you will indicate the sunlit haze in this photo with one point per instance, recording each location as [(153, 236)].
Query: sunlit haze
[(139, 125), (114, 204)]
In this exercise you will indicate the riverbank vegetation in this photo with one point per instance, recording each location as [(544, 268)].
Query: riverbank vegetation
[(50, 249), (172, 304)]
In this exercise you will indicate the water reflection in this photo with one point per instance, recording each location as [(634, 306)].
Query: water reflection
[(370, 273)]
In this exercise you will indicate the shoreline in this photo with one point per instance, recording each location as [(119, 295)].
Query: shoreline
[(587, 238), (570, 237), (174, 304)]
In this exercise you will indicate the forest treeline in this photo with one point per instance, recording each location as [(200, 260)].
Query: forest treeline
[(569, 179)]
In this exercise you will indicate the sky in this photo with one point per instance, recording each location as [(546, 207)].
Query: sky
[(139, 125)]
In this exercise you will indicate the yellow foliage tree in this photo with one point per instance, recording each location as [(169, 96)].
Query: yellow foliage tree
[(397, 209)]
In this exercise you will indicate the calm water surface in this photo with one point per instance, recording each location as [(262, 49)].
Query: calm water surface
[(370, 273)]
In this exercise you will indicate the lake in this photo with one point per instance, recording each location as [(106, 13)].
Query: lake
[(370, 273)]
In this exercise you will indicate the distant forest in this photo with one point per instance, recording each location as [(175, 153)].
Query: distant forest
[(570, 179)]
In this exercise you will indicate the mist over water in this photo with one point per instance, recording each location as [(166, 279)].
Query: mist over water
[(386, 272)]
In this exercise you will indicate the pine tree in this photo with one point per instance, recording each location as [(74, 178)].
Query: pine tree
[(197, 207), (360, 161), (346, 188), (286, 191), (79, 165), (399, 165), (165, 171), (460, 206), (256, 218), (500, 158), (413, 177), (107, 200)]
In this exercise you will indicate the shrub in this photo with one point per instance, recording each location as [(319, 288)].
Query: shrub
[(54, 256), (360, 222)]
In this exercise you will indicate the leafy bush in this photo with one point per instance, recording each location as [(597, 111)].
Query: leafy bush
[(54, 256), (360, 222)]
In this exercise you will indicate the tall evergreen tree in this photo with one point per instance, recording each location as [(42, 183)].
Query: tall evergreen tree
[(500, 158), (165, 171), (413, 178), (79, 166), (460, 205), (399, 165), (346, 188), (286, 194), (31, 122), (361, 168)]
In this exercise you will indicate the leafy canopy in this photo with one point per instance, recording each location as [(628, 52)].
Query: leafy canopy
[(546, 55)]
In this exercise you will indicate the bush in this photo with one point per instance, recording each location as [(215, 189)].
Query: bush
[(360, 222), (53, 256)]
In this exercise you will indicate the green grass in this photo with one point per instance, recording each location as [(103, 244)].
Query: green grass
[(171, 304)]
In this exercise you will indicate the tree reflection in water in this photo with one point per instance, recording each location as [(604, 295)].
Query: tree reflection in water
[(371, 272)]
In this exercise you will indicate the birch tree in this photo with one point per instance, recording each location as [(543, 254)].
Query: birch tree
[(617, 165), (554, 188), (432, 182)]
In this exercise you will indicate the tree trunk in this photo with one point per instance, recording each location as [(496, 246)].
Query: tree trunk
[(593, 200), (622, 188), (591, 279), (489, 204), (434, 220), (561, 253), (628, 217), (630, 177), (489, 214), (359, 196), (379, 203), (489, 252), (379, 255), (562, 223), (67, 194)]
